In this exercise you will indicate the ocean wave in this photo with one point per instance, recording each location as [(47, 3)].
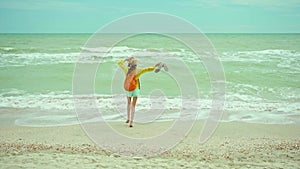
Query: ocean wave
[(255, 93), (36, 49), (113, 107), (114, 53), (260, 55), (108, 49), (6, 49), (90, 55), (22, 59)]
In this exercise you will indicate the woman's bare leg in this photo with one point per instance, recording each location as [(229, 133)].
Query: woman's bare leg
[(132, 110), (128, 108)]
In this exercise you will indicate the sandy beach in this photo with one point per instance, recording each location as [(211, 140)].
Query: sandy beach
[(65, 64), (234, 145)]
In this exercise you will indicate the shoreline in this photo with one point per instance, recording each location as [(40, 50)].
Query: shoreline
[(232, 145), (35, 117)]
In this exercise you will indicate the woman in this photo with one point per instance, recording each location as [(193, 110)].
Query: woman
[(132, 85)]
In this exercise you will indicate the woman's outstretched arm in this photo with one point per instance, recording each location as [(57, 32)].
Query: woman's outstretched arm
[(147, 69)]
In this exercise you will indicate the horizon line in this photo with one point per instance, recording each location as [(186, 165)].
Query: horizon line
[(153, 32)]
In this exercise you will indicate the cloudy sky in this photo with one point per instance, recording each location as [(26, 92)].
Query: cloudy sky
[(87, 16)]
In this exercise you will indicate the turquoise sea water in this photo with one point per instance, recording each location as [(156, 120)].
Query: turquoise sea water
[(262, 76)]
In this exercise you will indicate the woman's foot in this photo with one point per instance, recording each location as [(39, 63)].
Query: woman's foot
[(127, 121), (130, 124)]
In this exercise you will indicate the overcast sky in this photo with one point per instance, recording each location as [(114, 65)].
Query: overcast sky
[(87, 16)]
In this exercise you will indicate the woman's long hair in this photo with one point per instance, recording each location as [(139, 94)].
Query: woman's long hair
[(131, 68)]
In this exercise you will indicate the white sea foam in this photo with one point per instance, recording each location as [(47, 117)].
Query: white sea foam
[(91, 55), (283, 58), (113, 107), (260, 55), (22, 59), (6, 48)]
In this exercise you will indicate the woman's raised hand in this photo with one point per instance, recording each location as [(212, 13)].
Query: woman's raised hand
[(157, 64)]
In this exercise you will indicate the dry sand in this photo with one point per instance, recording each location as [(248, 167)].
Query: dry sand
[(233, 145)]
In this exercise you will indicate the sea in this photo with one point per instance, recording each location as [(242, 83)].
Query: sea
[(262, 78)]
